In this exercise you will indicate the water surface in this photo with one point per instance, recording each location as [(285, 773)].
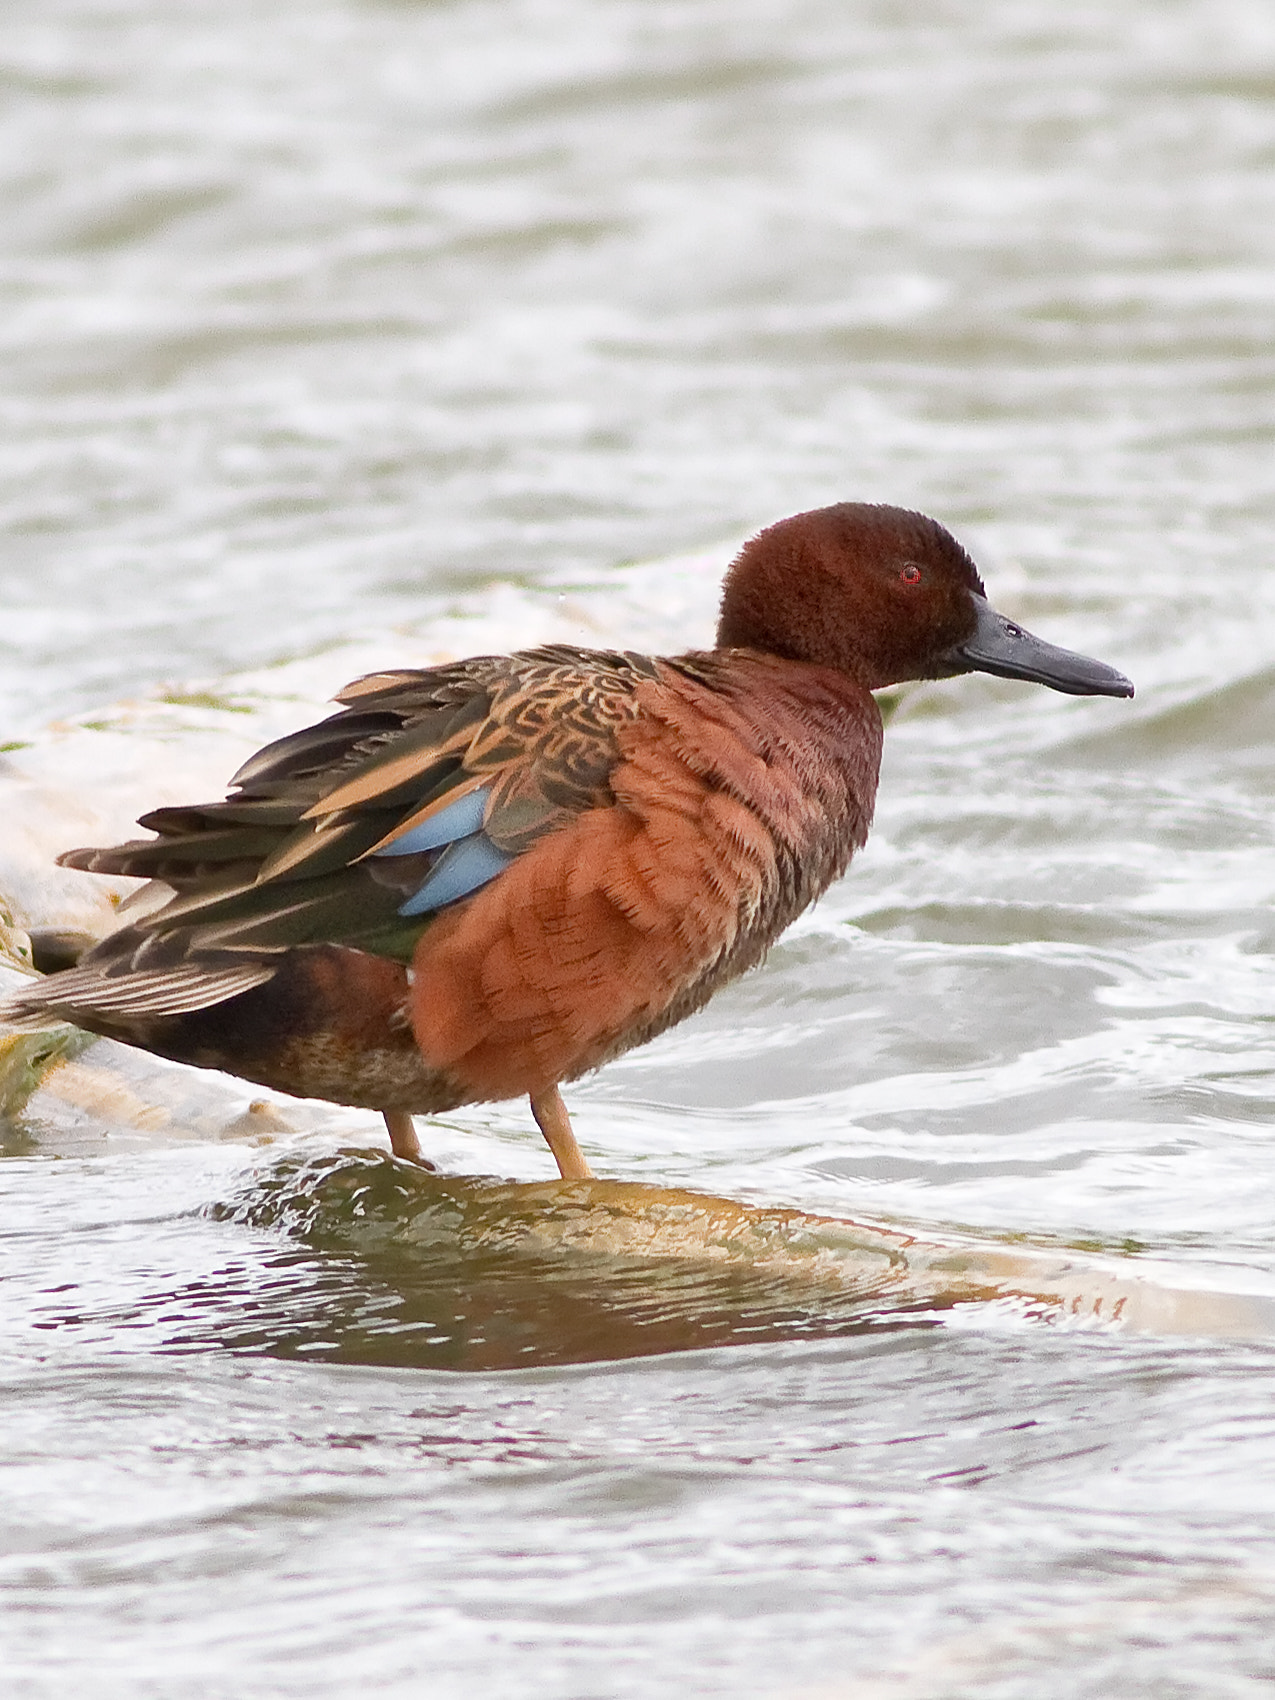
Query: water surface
[(344, 331)]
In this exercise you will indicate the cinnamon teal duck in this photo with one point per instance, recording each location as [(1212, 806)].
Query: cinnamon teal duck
[(484, 879)]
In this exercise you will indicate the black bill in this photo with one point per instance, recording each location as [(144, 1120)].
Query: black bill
[(997, 645)]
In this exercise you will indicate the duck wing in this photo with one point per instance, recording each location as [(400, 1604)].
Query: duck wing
[(424, 787)]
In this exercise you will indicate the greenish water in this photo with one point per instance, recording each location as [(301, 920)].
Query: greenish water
[(345, 331)]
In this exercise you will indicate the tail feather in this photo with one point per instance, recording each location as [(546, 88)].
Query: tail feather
[(89, 997)]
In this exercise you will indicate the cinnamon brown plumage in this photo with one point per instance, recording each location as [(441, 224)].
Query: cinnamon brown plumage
[(484, 879)]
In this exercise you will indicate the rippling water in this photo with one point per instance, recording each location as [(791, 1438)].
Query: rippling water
[(341, 332)]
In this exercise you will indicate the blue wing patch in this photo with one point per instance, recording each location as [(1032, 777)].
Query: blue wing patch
[(457, 820), (469, 860), (462, 868)]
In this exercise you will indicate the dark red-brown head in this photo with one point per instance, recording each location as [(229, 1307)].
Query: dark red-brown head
[(884, 595)]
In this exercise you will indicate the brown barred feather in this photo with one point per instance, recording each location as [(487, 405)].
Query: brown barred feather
[(608, 931), (284, 862)]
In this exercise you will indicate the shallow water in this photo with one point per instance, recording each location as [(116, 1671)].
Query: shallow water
[(341, 333)]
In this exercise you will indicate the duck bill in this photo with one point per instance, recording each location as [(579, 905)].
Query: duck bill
[(998, 646)]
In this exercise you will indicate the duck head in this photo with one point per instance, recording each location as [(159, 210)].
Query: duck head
[(885, 595)]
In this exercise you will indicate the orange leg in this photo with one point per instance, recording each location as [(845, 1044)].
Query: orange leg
[(554, 1122), (403, 1140)]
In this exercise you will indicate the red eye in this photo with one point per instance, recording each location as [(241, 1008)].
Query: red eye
[(911, 574)]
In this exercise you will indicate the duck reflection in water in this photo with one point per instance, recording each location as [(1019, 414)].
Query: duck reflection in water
[(481, 880)]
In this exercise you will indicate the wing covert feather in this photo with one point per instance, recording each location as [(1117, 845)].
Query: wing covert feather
[(302, 850)]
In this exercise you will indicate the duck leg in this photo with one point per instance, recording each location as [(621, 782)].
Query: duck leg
[(403, 1140), (554, 1122)]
